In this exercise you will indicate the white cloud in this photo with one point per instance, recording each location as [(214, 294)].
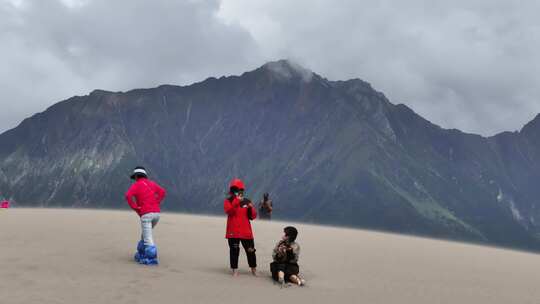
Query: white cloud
[(470, 65), (52, 50)]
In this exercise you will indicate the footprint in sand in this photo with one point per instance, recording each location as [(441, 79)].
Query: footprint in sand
[(30, 267), (174, 270)]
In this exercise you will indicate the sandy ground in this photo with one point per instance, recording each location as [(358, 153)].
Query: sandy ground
[(83, 256)]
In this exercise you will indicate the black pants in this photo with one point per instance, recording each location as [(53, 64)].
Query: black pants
[(265, 216), (249, 247), (288, 269)]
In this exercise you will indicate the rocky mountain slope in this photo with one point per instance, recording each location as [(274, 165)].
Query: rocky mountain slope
[(334, 152)]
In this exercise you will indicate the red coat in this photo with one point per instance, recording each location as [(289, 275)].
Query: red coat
[(238, 223), (148, 196)]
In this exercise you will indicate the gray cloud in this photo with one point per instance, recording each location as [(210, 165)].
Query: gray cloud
[(52, 50), (471, 65)]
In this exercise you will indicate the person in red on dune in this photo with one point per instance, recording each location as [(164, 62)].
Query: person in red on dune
[(240, 211), (145, 197)]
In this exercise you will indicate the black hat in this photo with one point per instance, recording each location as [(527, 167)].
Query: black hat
[(291, 233), (139, 172)]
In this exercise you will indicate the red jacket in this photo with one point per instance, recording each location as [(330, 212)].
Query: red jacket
[(238, 223), (148, 195)]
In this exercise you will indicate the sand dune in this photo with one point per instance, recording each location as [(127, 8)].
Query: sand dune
[(84, 256)]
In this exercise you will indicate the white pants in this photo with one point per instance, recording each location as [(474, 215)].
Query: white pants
[(148, 222)]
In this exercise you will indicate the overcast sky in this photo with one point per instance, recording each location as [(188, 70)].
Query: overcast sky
[(471, 65)]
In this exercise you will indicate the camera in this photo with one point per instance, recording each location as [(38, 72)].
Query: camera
[(245, 202)]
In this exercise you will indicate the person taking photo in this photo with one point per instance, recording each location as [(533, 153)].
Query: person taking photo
[(240, 212)]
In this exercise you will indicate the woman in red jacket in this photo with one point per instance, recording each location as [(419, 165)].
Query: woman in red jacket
[(240, 212), (144, 197)]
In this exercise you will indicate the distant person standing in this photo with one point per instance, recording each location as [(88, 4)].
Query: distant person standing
[(144, 197), (265, 207), (240, 212)]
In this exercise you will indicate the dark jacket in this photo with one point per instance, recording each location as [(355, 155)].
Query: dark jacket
[(291, 253)]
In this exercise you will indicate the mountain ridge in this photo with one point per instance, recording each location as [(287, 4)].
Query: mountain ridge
[(335, 152)]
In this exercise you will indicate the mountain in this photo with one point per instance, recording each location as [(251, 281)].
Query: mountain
[(334, 152)]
